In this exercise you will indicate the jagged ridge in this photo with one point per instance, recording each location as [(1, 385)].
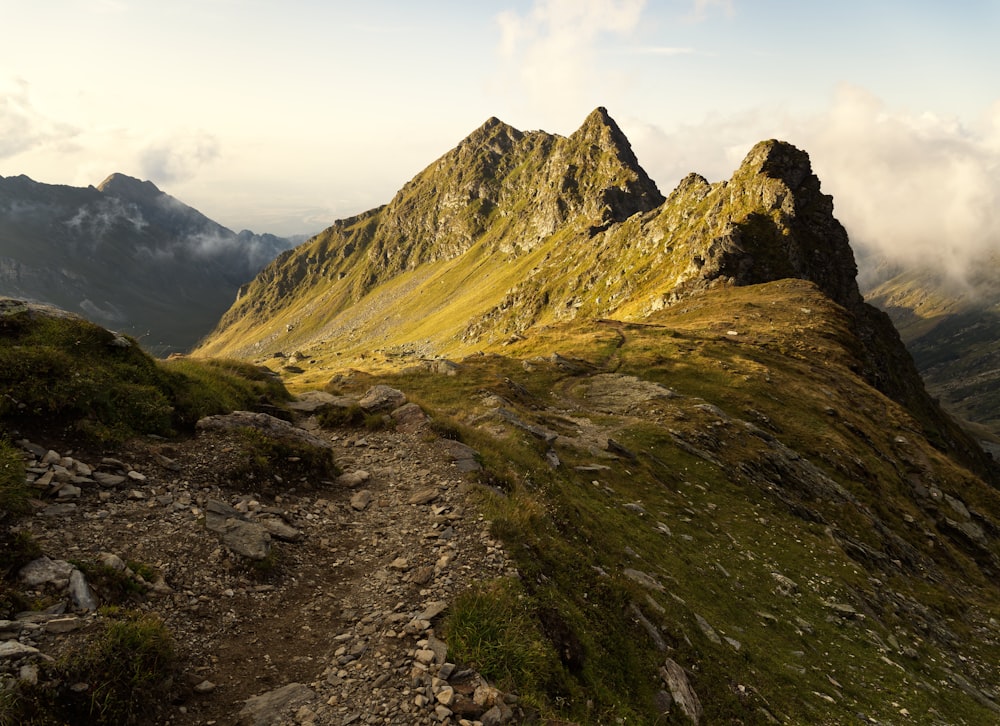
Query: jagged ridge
[(512, 230)]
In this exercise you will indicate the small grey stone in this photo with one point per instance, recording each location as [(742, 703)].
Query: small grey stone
[(79, 592), (361, 499)]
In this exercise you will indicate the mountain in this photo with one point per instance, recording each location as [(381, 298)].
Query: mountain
[(512, 231), (608, 457), (126, 255), (952, 329)]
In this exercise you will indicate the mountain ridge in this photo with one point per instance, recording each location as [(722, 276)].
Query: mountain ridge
[(125, 254), (716, 486), (514, 230)]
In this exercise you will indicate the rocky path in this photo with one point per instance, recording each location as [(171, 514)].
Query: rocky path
[(340, 624)]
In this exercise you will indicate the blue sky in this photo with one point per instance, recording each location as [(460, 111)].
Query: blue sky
[(283, 116)]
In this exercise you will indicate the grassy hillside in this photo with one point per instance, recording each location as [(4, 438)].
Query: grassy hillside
[(717, 486), (59, 371), (953, 332)]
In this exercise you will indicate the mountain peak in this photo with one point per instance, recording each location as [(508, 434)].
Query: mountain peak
[(601, 129), (128, 187), (778, 160)]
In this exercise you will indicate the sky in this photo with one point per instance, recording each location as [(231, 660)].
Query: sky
[(285, 116)]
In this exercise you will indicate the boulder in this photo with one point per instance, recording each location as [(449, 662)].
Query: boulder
[(269, 425), (382, 398), (275, 707)]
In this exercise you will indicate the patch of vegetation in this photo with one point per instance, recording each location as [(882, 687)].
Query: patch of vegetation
[(14, 491), (16, 550), (120, 675), (331, 417), (492, 627), (268, 461), (116, 586), (267, 569), (206, 387), (65, 371)]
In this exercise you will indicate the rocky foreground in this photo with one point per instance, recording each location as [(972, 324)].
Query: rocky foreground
[(320, 604)]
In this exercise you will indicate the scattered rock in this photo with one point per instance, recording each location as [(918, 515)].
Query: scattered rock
[(361, 500), (382, 398), (680, 689), (273, 707)]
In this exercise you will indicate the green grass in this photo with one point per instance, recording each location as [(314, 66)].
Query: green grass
[(735, 518), (277, 464), (69, 372), (491, 628), (14, 492), (127, 667)]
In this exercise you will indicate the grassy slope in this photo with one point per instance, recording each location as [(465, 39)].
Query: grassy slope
[(738, 511), (60, 371), (952, 333)]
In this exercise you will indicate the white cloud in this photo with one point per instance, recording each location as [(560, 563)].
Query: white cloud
[(665, 50), (22, 127), (915, 188), (178, 157), (702, 9), (551, 50)]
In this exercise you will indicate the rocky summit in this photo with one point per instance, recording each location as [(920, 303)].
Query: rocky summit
[(530, 443)]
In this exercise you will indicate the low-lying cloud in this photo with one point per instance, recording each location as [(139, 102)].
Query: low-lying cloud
[(915, 189), (912, 187)]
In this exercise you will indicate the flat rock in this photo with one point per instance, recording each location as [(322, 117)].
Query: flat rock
[(382, 398), (424, 496), (313, 401), (409, 418), (680, 688), (464, 457), (10, 649), (65, 624), (280, 529), (248, 539), (643, 579), (361, 500), (269, 425), (353, 479), (275, 707), (46, 571), (108, 481)]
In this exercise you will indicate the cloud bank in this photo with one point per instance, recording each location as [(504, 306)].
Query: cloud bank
[(911, 188)]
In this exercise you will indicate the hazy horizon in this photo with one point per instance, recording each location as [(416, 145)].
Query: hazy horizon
[(285, 118)]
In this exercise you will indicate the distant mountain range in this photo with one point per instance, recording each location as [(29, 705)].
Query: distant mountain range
[(125, 255), (952, 329)]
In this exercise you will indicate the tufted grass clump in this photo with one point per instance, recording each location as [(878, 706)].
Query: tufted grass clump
[(118, 676), (493, 629), (266, 460)]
